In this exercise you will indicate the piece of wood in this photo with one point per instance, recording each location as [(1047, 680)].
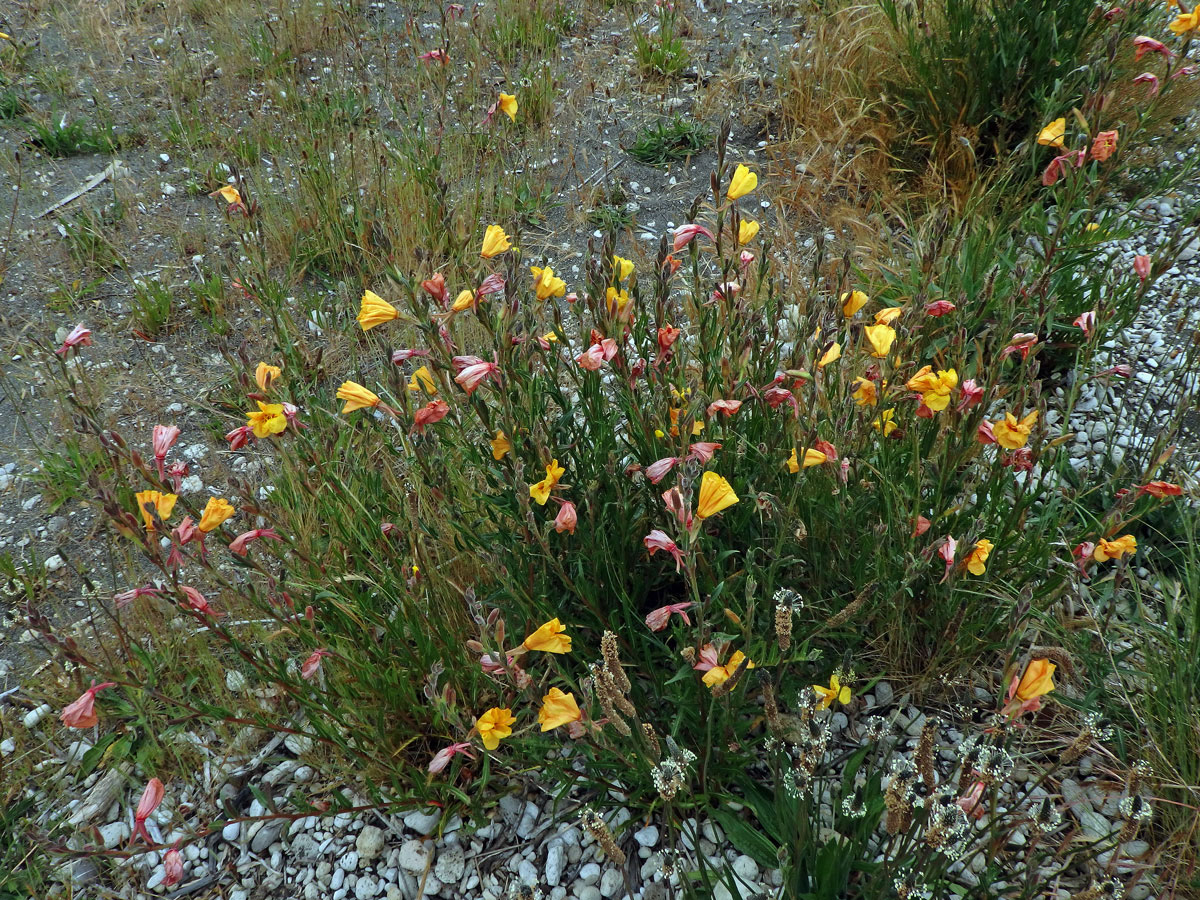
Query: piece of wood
[(113, 170)]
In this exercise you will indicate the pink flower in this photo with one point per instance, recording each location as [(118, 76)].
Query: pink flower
[(1104, 146), (1141, 265), (442, 758), (659, 540), (667, 336), (239, 543), (399, 357), (702, 451), (946, 552), (920, 526), (152, 796), (435, 287), (971, 802), (726, 291), (172, 868), (176, 472), (827, 448), (970, 393), (708, 658), (592, 358), (745, 258), (1115, 13), (438, 55), (1150, 79), (472, 371), (939, 308), (82, 712), (454, 11), (124, 598), (984, 434), (431, 413), (292, 413), (199, 602), (493, 284), (311, 666), (1144, 45), (566, 519), (657, 471), (1052, 172), (1122, 370), (1083, 555), (163, 437), (239, 437), (728, 407), (777, 396), (79, 337), (677, 507), (656, 620), (685, 234), (1020, 459), (1086, 321), (1022, 342)]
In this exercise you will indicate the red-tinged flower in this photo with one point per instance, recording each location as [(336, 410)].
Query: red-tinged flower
[(181, 535), (1086, 322), (920, 526), (726, 407), (492, 666), (667, 336), (946, 552), (592, 358), (657, 471), (777, 396), (1104, 145), (1083, 555), (672, 263), (685, 234), (292, 414), (827, 448), (939, 308), (1185, 72), (708, 658), (472, 371), (1115, 13), (923, 411), (399, 357), (390, 529), (163, 437), (172, 868), (79, 337), (493, 284), (435, 287), (432, 412), (311, 666), (238, 544), (1160, 489), (984, 433), (199, 602), (1143, 45), (1022, 342), (656, 620), (442, 758), (239, 437), (659, 540), (1150, 79), (81, 713), (971, 803), (1020, 459), (969, 394), (1052, 172), (745, 258), (638, 369), (1141, 265), (455, 11), (1124, 371), (124, 598), (176, 472), (676, 506), (726, 291), (152, 796), (438, 56), (702, 451), (567, 518)]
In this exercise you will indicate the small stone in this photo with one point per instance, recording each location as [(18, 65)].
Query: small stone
[(114, 834), (266, 836), (647, 837), (451, 863), (589, 873), (369, 843), (423, 821), (349, 861), (54, 563), (34, 716), (528, 873), (588, 892), (883, 693), (554, 862), (745, 868), (611, 882), (414, 856), (366, 888), (231, 831)]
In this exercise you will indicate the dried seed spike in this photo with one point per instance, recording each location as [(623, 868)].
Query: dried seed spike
[(852, 607), (612, 661), (924, 756), (783, 627), (652, 740), (1057, 655), (771, 708), (732, 681)]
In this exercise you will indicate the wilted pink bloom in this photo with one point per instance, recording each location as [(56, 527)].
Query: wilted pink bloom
[(199, 602), (491, 666), (471, 372), (1184, 71), (844, 471), (435, 287), (728, 407), (656, 620), (667, 336), (124, 598), (1086, 321), (400, 357), (493, 284), (1022, 343), (1105, 145), (1020, 459), (920, 526), (432, 412), (609, 347), (1052, 172), (708, 658), (676, 506), (946, 552), (1115, 13), (1122, 370), (79, 337), (163, 437), (726, 291), (442, 758), (777, 396), (152, 796), (181, 535), (592, 358), (746, 257), (1144, 45), (566, 519), (659, 540), (702, 451), (239, 437), (311, 666), (971, 802), (939, 308), (923, 411), (239, 543), (292, 413), (984, 434), (1083, 555), (685, 234), (1150, 79), (970, 393), (827, 448), (176, 472), (1141, 265), (454, 11), (81, 713), (438, 55), (172, 868), (390, 529), (657, 471)]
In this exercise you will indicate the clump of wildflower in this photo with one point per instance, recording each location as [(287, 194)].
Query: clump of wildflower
[(1135, 811), (854, 805), (598, 829), (1046, 819), (670, 775)]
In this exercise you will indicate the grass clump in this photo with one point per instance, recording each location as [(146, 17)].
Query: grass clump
[(62, 139), (668, 141)]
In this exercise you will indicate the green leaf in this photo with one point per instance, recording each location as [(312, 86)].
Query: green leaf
[(746, 839)]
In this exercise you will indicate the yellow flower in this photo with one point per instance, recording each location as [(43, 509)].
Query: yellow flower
[(618, 299), (547, 284), (977, 561), (464, 301), (550, 337), (881, 338), (934, 389), (836, 691), (1185, 22), (216, 511), (742, 183), (622, 267), (356, 396), (889, 315), (811, 458), (265, 375), (865, 394), (162, 503), (558, 709), (541, 491), (228, 193), (495, 724), (375, 311), (747, 231), (1092, 226), (500, 446), (884, 423), (268, 420), (1037, 681), (852, 302), (1052, 134), (1011, 434), (495, 242), (1115, 549), (834, 352), (715, 495), (508, 106), (720, 674), (551, 637), (422, 379)]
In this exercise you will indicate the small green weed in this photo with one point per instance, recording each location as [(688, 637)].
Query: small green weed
[(70, 297), (60, 139), (208, 296), (89, 242), (64, 472), (11, 104), (666, 142), (527, 30), (661, 53), (151, 307)]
